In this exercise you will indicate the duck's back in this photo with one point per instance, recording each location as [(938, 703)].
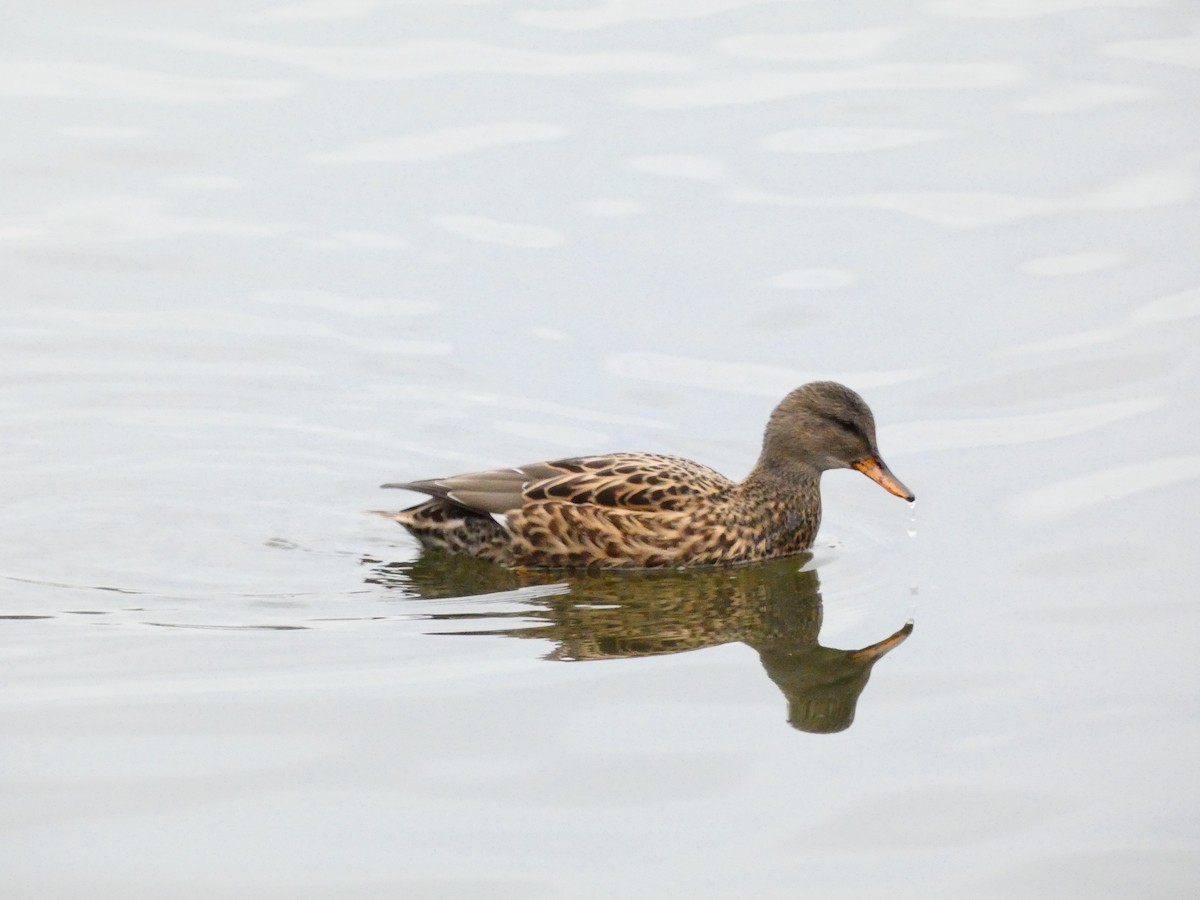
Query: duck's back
[(620, 510)]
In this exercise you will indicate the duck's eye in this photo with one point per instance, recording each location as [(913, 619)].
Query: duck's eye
[(851, 428), (844, 424)]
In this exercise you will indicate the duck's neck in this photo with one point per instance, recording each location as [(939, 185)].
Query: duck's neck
[(782, 476), (784, 497)]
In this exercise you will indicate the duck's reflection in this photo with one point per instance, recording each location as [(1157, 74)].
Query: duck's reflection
[(773, 607)]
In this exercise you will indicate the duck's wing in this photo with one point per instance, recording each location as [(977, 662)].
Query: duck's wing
[(630, 481), (495, 492), (635, 481)]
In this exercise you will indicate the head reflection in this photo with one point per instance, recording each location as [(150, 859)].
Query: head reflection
[(773, 607)]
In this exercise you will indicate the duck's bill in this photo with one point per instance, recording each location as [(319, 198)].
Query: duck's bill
[(875, 469)]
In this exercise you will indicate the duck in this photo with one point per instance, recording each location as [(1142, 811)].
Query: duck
[(654, 510)]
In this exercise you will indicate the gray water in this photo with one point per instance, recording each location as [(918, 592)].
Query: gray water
[(260, 257)]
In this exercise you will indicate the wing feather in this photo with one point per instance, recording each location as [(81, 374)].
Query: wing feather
[(632, 481)]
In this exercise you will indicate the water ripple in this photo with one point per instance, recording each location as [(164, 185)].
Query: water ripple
[(103, 220), (980, 209), (742, 378), (736, 88), (1071, 263), (1024, 9), (1090, 337), (92, 81), (357, 241), (693, 167), (1173, 51), (102, 133), (613, 207), (347, 306), (205, 183), (1079, 97), (331, 10), (1104, 486), (621, 12), (1181, 305), (843, 46), (493, 231), (442, 144), (415, 59), (998, 431), (846, 139), (457, 402), (561, 435), (816, 279)]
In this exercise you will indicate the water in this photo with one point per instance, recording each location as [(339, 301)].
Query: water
[(260, 258)]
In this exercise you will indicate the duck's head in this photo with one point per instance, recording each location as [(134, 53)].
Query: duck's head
[(825, 425)]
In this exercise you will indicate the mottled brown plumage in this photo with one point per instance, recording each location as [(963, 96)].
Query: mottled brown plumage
[(647, 510)]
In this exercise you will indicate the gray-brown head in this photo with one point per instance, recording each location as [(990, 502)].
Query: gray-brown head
[(825, 425)]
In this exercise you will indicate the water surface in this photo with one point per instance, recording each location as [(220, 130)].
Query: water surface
[(259, 258)]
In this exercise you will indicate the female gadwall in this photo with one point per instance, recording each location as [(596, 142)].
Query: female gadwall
[(648, 510)]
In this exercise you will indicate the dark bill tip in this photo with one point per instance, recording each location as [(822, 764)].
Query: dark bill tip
[(875, 469)]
